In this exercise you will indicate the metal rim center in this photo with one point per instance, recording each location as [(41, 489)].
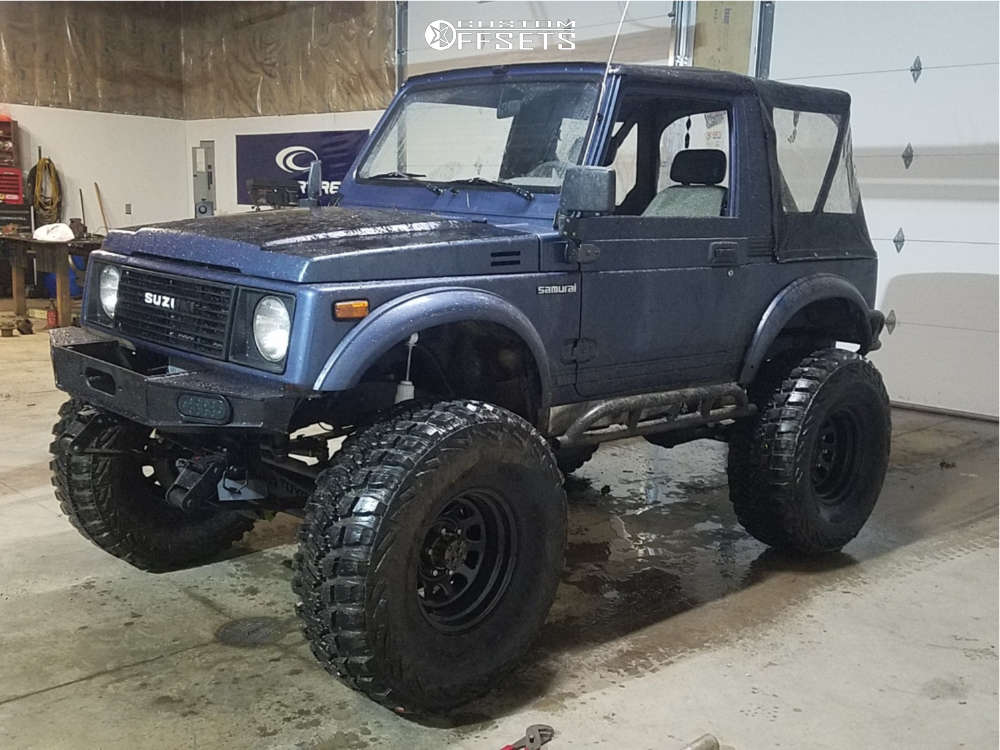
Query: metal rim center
[(836, 457), (466, 560)]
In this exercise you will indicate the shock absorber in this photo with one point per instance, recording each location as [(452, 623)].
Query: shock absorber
[(404, 389)]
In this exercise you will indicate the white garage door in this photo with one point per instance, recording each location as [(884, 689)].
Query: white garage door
[(925, 144)]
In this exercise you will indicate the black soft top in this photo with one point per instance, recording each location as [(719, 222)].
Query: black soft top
[(817, 230), (801, 232), (809, 98)]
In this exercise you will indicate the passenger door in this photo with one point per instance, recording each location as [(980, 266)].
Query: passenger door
[(660, 296)]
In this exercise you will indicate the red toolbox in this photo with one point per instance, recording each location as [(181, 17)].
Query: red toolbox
[(11, 185)]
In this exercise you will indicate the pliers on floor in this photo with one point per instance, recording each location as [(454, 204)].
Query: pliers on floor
[(534, 737)]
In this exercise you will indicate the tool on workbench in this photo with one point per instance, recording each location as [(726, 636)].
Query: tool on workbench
[(43, 190), (100, 205), (534, 737)]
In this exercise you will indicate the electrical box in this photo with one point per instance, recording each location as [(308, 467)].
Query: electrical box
[(203, 167), (11, 182)]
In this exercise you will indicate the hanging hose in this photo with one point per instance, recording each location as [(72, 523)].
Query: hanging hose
[(44, 192)]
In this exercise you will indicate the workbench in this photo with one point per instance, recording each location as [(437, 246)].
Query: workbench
[(20, 250)]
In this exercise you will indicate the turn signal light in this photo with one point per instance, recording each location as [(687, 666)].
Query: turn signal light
[(351, 309)]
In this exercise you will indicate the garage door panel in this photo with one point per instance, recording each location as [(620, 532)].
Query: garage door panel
[(946, 219), (953, 107), (927, 258), (941, 289), (879, 36), (945, 368), (944, 300)]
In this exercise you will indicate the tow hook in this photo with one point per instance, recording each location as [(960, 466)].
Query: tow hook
[(197, 481)]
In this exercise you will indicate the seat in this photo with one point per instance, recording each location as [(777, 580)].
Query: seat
[(698, 172)]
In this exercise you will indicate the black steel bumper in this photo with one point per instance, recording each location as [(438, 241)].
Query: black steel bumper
[(876, 321), (101, 372)]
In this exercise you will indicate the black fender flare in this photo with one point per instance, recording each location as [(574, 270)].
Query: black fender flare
[(793, 298), (393, 322)]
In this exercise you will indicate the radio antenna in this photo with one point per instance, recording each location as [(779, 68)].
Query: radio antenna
[(614, 44), (604, 78)]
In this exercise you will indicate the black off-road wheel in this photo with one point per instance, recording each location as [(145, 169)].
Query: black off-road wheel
[(430, 553), (116, 499), (805, 473)]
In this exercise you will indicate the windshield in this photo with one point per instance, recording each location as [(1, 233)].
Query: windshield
[(523, 134)]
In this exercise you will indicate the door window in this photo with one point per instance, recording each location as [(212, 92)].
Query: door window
[(693, 177), (671, 156)]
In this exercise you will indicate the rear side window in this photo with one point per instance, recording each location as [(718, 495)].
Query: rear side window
[(805, 145)]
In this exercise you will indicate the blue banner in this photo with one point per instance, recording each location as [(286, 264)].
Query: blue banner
[(287, 156)]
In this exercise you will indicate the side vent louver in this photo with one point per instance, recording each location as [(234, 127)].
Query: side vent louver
[(505, 258)]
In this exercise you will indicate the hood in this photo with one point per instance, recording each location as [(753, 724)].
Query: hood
[(336, 244)]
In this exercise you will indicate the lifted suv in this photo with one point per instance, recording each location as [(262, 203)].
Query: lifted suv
[(523, 263)]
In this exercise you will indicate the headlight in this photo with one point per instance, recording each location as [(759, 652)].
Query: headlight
[(108, 289), (271, 327)]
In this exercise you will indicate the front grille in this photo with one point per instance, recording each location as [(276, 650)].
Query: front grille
[(175, 311)]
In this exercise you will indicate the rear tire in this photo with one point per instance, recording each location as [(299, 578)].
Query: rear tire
[(430, 553), (804, 474), (116, 506)]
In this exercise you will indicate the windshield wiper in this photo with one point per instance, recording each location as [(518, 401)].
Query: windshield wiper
[(516, 189), (409, 176)]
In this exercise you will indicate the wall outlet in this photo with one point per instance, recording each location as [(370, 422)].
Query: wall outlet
[(128, 209)]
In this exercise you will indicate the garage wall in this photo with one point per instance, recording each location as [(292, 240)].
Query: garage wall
[(102, 57), (940, 287), (134, 159), (179, 61), (245, 59), (224, 131), (146, 161)]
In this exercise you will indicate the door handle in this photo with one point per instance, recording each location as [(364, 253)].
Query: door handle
[(724, 253)]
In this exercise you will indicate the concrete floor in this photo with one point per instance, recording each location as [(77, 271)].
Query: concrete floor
[(670, 621)]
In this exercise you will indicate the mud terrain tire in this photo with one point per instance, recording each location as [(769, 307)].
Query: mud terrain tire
[(111, 502), (430, 553), (805, 473)]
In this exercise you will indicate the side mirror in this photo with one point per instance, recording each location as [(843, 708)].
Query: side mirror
[(587, 191), (313, 183)]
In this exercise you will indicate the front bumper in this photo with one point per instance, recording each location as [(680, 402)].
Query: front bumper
[(101, 372)]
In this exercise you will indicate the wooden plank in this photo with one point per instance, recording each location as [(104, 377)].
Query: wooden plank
[(17, 283), (64, 303), (722, 35)]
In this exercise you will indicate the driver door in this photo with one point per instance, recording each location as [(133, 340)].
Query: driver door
[(660, 302)]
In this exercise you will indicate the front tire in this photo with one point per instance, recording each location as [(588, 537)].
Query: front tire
[(431, 552), (805, 473), (120, 507)]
